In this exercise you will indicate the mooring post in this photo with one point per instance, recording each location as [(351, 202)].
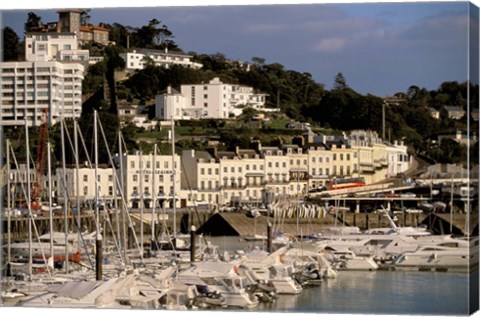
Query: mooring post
[(192, 243), (99, 258)]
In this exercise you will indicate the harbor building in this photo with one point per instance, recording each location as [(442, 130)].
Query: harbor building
[(35, 91), (150, 177), (213, 100)]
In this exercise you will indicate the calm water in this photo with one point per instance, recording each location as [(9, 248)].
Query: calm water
[(381, 292)]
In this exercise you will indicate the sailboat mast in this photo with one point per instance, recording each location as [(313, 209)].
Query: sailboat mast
[(29, 205), (50, 211), (141, 205), (124, 229), (77, 176), (173, 179), (9, 217), (154, 196), (65, 197), (98, 239)]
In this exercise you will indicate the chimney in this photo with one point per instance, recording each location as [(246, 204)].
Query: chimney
[(169, 90)]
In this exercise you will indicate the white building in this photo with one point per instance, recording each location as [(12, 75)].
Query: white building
[(398, 159), (172, 103), (137, 114), (215, 100), (150, 177), (46, 46), (67, 181), (137, 60), (29, 89), (201, 180)]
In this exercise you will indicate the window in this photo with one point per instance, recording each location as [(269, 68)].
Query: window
[(205, 104), (348, 157), (209, 171), (334, 157), (205, 96), (225, 169), (148, 164), (85, 190), (135, 178), (110, 190), (232, 169), (132, 164), (202, 171), (269, 164), (165, 164), (313, 171), (216, 171), (247, 167), (85, 178), (341, 157), (160, 178), (313, 159), (110, 178), (147, 178)]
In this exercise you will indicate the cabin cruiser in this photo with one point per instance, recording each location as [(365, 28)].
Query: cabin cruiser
[(437, 258), (120, 292), (222, 278)]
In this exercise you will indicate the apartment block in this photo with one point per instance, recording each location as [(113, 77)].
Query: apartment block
[(46, 46), (214, 100), (32, 90)]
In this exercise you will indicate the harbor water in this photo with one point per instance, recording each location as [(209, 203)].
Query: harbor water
[(377, 292), (382, 292)]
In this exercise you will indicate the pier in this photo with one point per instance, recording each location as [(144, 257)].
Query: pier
[(239, 224)]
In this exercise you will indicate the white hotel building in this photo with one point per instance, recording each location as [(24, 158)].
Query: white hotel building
[(31, 88), (215, 100)]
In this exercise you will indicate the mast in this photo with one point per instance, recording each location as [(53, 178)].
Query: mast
[(124, 229), (77, 176), (29, 205), (141, 206), (50, 212), (9, 219), (154, 196), (173, 179), (65, 198), (98, 238)]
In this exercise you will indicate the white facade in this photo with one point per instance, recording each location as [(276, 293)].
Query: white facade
[(29, 89), (138, 60), (86, 184), (54, 47), (170, 103), (150, 177), (398, 159), (214, 100)]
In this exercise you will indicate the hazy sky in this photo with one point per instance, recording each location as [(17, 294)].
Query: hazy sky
[(381, 48)]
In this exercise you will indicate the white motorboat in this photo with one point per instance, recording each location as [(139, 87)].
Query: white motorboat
[(220, 277), (437, 258), (114, 293)]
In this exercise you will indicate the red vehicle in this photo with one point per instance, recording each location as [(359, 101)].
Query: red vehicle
[(341, 183)]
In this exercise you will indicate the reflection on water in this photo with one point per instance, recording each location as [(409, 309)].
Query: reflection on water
[(381, 292)]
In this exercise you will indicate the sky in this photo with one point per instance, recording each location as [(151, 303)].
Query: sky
[(381, 48)]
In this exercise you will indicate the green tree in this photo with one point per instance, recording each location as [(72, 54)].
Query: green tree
[(340, 82), (34, 22), (11, 47)]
